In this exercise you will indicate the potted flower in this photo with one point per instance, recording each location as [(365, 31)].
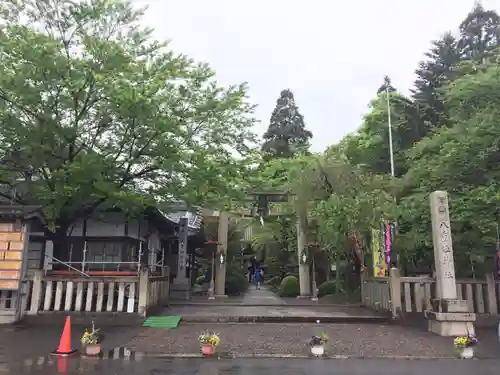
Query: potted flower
[(91, 341), (209, 342), (465, 346), (317, 344)]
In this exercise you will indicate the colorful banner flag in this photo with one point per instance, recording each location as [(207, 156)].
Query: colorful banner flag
[(378, 255), (388, 232)]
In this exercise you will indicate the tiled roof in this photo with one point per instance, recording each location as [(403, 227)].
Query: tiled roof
[(194, 219)]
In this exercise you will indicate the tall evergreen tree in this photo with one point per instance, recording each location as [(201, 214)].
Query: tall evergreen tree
[(287, 134), (432, 74), (386, 86), (479, 34)]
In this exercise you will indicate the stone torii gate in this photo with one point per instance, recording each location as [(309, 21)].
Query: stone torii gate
[(260, 208)]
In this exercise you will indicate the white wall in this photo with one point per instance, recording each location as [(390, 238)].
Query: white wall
[(109, 225), (138, 228)]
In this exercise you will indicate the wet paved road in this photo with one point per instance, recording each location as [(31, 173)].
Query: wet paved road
[(259, 366)]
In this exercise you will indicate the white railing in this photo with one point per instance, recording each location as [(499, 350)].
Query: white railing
[(482, 296), (98, 294), (84, 294), (415, 294), (158, 291), (375, 292)]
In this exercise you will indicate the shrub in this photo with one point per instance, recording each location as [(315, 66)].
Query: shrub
[(200, 279), (289, 287), (236, 280), (327, 288), (274, 281)]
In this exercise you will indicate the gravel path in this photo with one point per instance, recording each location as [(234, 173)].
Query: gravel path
[(363, 340)]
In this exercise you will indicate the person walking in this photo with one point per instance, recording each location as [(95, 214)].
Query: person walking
[(258, 277)]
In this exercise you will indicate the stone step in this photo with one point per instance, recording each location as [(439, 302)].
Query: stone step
[(379, 319), (180, 302)]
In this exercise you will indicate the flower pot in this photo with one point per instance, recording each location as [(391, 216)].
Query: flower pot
[(92, 349), (467, 353), (207, 350), (317, 350)]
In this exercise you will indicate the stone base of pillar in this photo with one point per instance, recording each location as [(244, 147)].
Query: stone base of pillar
[(451, 318), (304, 280), (222, 296), (451, 328), (180, 290), (304, 297)]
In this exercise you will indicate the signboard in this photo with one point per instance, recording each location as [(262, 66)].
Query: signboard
[(11, 256), (378, 255)]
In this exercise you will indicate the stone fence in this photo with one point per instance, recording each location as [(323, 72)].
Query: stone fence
[(402, 295)]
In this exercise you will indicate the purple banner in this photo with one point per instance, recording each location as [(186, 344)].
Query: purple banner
[(388, 242)]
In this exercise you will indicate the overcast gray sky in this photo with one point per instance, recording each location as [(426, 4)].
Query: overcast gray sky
[(332, 54)]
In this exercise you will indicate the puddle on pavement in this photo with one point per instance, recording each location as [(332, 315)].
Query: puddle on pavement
[(68, 365)]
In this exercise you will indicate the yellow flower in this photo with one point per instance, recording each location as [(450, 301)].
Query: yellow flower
[(209, 338), (85, 337), (461, 341)]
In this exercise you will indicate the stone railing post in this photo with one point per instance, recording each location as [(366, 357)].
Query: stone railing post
[(395, 293), (36, 292), (491, 294), (143, 292)]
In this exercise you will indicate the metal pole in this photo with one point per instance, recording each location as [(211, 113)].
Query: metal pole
[(389, 124), (84, 256), (391, 156), (139, 256)]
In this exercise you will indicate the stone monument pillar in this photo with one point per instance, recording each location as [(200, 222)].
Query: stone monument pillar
[(181, 286), (220, 258), (450, 316)]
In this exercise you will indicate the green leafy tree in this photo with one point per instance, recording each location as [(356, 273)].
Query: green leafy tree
[(287, 135), (369, 147), (94, 114), (462, 160)]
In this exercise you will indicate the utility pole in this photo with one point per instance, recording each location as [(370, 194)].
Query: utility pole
[(391, 156), (389, 124)]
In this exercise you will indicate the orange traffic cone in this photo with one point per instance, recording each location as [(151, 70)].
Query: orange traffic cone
[(64, 348)]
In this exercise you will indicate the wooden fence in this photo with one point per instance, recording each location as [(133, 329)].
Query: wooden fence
[(133, 294), (414, 294)]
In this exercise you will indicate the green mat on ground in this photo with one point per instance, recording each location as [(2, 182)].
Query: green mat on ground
[(162, 321)]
